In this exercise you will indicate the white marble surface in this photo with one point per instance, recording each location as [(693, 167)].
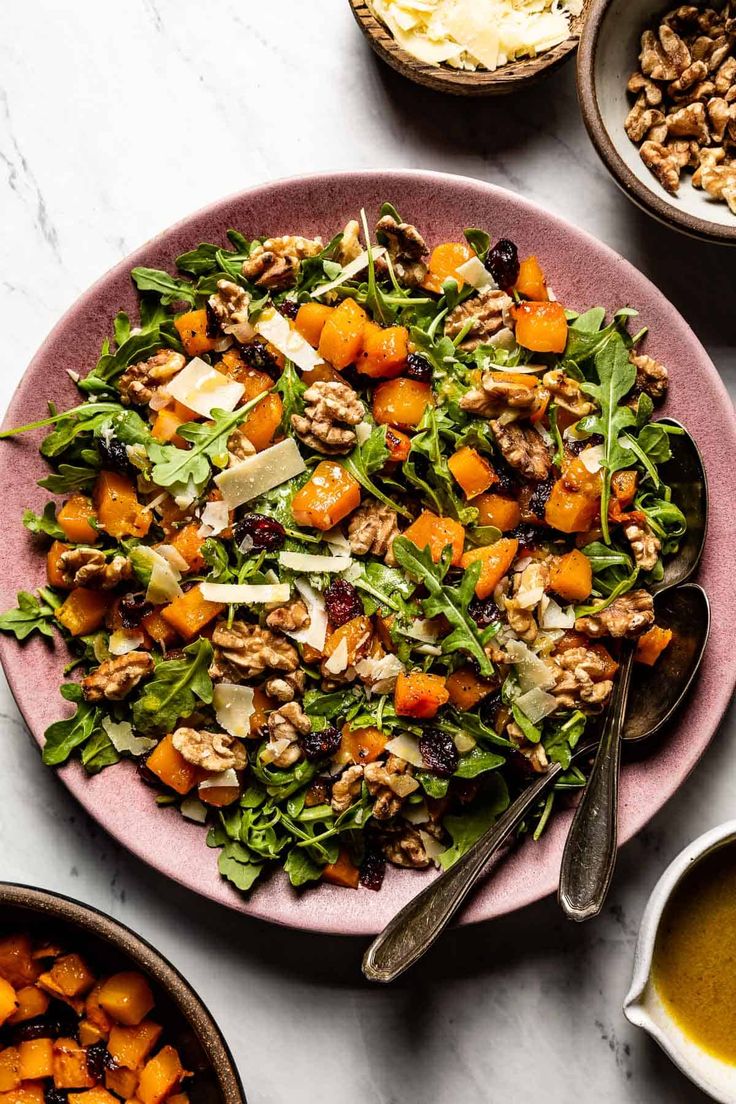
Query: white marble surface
[(116, 120)]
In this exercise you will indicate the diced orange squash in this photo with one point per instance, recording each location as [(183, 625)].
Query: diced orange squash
[(174, 771), (398, 444), (83, 611), (186, 412), (97, 1095), (161, 1075), (341, 339), (343, 872), (218, 797), (444, 261), (190, 612), (466, 688), (17, 964), (310, 321), (519, 379), (576, 477), (166, 427), (436, 533), (127, 996), (70, 1065), (73, 517), (262, 706), (384, 351), (30, 1093), (261, 424), (159, 629), (9, 1069), (326, 498), (89, 1034), (651, 644), (472, 471), (401, 402), (383, 625), (121, 1081), (572, 576), (36, 1059), (356, 634), (95, 1013), (32, 1002), (192, 328), (531, 282), (69, 977), (254, 381), (623, 485), (130, 1046), (188, 544), (118, 510), (571, 511), (179, 1098), (323, 372), (496, 559), (420, 695), (541, 327), (495, 509), (361, 745), (53, 565), (171, 516)]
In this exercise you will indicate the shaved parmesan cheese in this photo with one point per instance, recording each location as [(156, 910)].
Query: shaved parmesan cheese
[(337, 541), (202, 388), (527, 599), (273, 749), (520, 369), (363, 431), (163, 585), (504, 339), (260, 473), (544, 434), (406, 747), (349, 271), (338, 661), (243, 594), (172, 556), (432, 846), (429, 649), (187, 497), (223, 779), (464, 743), (316, 632), (416, 814), (123, 641), (428, 631), (475, 273), (275, 328), (306, 562), (233, 705), (379, 674), (123, 739), (193, 809), (214, 517), (531, 671), (555, 617), (536, 704), (592, 458)]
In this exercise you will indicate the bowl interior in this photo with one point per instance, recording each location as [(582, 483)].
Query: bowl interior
[(615, 59), (109, 948)]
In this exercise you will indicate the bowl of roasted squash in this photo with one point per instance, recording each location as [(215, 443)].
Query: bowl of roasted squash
[(91, 1014)]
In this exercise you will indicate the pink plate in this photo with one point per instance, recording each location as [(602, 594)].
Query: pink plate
[(584, 273)]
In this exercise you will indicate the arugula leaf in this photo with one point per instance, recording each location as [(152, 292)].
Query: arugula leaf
[(44, 524), (451, 601), (291, 390), (237, 864), (301, 868), (69, 477), (562, 737), (651, 447), (531, 731), (79, 419), (62, 737), (170, 289), (466, 829), (156, 331), (98, 752), (332, 704), (176, 687), (368, 458), (31, 615), (478, 761), (383, 584), (436, 484), (479, 240)]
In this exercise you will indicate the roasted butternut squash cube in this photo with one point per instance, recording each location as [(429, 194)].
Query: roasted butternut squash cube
[(17, 964), (496, 559), (472, 471), (97, 1095), (29, 1092), (74, 518), (361, 745), (32, 1002), (343, 872), (70, 1065), (189, 613), (466, 688), (341, 339), (123, 1082), (9, 1069), (118, 510), (172, 768), (420, 695), (130, 1046), (436, 533), (161, 1075), (83, 611), (401, 402), (572, 576), (192, 327), (127, 996), (36, 1059), (651, 644), (8, 1000), (68, 977), (495, 509), (326, 498)]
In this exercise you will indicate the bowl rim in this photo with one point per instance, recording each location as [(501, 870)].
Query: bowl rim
[(462, 82), (643, 196), (91, 920)]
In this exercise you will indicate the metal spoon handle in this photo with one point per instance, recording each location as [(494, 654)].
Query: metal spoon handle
[(590, 849), (414, 929)]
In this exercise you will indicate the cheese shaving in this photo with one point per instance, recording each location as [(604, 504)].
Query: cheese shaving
[(315, 633), (306, 562), (245, 594), (260, 473), (233, 705), (275, 328), (193, 809), (202, 388), (226, 779), (349, 271), (123, 738)]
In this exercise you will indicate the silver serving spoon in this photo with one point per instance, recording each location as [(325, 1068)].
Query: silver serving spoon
[(589, 857)]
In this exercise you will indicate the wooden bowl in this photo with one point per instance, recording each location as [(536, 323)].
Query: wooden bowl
[(110, 947), (459, 82)]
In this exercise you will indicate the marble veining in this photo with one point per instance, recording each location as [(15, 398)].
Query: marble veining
[(116, 120)]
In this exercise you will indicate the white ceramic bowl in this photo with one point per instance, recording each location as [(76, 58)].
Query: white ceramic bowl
[(643, 1006)]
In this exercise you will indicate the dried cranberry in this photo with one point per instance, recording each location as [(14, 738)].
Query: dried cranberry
[(213, 323), (343, 602), (52, 1095), (316, 745), (372, 870), (438, 751), (133, 608), (265, 532), (58, 1020), (115, 455), (98, 1059), (540, 495), (503, 263), (418, 368), (484, 612), (146, 774), (489, 708), (575, 447), (532, 536), (256, 355), (507, 481), (289, 308)]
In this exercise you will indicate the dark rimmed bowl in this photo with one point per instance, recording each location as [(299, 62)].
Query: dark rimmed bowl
[(110, 946), (607, 56)]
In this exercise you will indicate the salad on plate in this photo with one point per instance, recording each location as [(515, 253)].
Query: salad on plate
[(342, 541)]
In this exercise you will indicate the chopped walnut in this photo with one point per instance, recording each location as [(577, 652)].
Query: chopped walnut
[(285, 725), (332, 410), (580, 680), (725, 78), (390, 783), (496, 394), (523, 449), (139, 382), (229, 305), (696, 72), (689, 122), (488, 312), (663, 163), (651, 376), (630, 615), (534, 754), (406, 248), (212, 751), (89, 567), (403, 846), (718, 180), (346, 789), (275, 263), (349, 248), (644, 544), (641, 119), (651, 91), (372, 529), (289, 618), (244, 651), (115, 678), (284, 688), (239, 445), (719, 116), (566, 393)]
